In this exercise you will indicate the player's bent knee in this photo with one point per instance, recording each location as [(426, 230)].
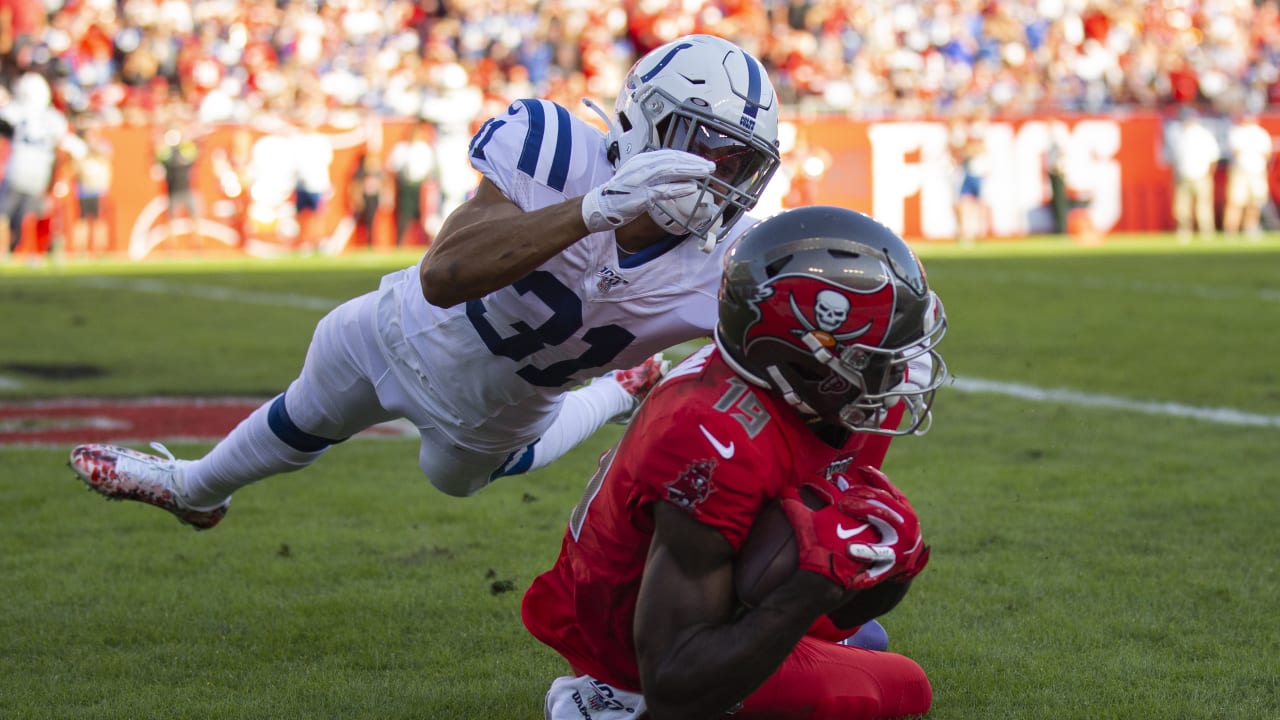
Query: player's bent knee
[(905, 689), (901, 697), (452, 479), (456, 486)]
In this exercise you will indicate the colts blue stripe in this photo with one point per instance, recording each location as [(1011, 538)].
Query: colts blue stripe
[(663, 62), (290, 434), (564, 148), (483, 135), (753, 87), (528, 163), (517, 463)]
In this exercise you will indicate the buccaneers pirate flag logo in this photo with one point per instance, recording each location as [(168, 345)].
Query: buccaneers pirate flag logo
[(792, 306)]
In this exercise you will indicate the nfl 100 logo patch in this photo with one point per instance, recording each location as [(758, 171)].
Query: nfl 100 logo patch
[(607, 279)]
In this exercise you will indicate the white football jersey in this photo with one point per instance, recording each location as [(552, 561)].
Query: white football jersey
[(493, 370), (37, 134)]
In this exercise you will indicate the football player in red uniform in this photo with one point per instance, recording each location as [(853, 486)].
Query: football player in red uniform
[(827, 332)]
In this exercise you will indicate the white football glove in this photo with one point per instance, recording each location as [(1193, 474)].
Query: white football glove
[(640, 182)]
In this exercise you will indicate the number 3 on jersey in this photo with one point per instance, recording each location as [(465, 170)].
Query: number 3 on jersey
[(604, 342)]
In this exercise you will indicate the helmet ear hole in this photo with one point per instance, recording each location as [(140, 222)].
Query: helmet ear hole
[(775, 267), (624, 122)]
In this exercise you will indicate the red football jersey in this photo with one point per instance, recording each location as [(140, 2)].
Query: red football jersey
[(705, 440)]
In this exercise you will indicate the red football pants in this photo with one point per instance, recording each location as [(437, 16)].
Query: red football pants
[(821, 680)]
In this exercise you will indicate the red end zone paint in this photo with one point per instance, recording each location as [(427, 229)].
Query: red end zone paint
[(79, 421)]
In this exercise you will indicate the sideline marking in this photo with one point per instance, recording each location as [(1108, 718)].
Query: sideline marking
[(1220, 416), (1205, 292), (61, 423), (212, 292)]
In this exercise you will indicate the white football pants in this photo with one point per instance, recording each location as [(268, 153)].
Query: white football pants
[(345, 386)]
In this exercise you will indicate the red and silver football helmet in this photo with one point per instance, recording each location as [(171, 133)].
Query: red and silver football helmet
[(832, 310)]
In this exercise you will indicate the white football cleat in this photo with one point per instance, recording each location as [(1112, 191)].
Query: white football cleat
[(119, 473)]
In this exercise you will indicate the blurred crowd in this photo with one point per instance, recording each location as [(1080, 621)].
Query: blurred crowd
[(284, 67), (233, 60)]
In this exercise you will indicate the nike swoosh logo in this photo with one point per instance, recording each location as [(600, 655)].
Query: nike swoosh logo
[(846, 534), (726, 451), (615, 192)]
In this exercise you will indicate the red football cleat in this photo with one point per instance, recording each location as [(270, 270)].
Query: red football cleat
[(118, 473), (639, 380)]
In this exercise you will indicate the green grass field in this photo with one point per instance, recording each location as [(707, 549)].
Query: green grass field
[(1100, 489)]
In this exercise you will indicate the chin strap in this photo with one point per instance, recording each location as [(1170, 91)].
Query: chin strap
[(709, 240), (788, 393), (608, 121)]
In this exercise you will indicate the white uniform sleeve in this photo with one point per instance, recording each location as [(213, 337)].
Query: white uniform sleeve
[(538, 153)]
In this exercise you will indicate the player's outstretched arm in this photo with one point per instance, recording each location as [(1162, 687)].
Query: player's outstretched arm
[(489, 242), (697, 660)]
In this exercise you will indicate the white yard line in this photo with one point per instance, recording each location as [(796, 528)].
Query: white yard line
[(211, 292), (1205, 292), (1219, 416)]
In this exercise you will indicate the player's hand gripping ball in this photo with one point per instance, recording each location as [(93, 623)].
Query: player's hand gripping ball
[(862, 536), (770, 555)]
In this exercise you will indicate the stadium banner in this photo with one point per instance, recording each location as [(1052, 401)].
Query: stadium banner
[(245, 186), (903, 174), (899, 171)]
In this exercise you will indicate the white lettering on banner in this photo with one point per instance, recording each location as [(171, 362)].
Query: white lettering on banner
[(1094, 145), (1016, 188), (1000, 190), (1092, 171), (893, 179), (1030, 180)]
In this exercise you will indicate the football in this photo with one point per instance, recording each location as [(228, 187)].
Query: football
[(768, 555)]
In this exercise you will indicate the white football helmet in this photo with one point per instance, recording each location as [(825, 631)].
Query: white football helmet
[(703, 95)]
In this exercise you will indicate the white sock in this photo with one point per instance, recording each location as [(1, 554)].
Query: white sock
[(583, 412), (250, 453)]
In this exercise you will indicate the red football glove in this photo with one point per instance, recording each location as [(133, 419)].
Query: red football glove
[(823, 538), (911, 554), (834, 541)]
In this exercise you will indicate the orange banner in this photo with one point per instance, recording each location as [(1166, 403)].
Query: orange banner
[(901, 172)]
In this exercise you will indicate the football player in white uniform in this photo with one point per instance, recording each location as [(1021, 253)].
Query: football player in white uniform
[(580, 253), (36, 131)]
